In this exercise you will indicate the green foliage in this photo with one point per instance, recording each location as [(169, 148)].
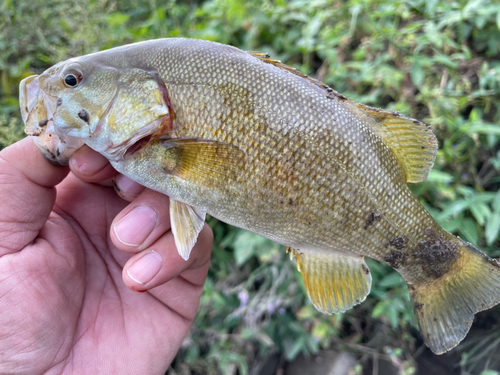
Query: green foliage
[(437, 61)]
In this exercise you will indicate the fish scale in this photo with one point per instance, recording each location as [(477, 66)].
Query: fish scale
[(262, 146), (256, 178)]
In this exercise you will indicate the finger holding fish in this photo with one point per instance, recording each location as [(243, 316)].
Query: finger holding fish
[(126, 188), (160, 263), (141, 223), (90, 166)]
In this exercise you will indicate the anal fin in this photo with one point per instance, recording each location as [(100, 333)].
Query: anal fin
[(334, 282), (186, 222)]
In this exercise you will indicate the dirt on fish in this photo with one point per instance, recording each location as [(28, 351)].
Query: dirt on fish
[(372, 217), (399, 242), (435, 255), (396, 259)]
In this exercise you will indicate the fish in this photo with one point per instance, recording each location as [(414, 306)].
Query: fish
[(261, 146)]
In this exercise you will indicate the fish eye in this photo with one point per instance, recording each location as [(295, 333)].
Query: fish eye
[(72, 79)]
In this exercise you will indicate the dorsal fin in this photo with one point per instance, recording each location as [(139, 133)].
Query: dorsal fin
[(413, 142), (267, 59)]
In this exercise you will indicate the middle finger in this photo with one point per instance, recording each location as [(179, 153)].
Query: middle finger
[(142, 222)]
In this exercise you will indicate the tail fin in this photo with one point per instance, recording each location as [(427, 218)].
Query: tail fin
[(445, 306)]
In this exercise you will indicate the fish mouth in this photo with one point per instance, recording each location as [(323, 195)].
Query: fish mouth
[(37, 111)]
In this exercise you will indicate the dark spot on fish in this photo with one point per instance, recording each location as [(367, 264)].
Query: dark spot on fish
[(423, 147), (395, 259), (418, 306), (434, 254), (115, 185), (58, 152), (434, 320), (399, 242), (411, 286), (43, 123), (282, 201), (290, 201), (59, 102), (367, 271), (372, 217), (84, 115)]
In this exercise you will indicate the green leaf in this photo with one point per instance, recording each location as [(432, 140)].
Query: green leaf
[(390, 280), (469, 231), (439, 176), (292, 348), (480, 211), (245, 245), (379, 309), (490, 372), (493, 225), (392, 315), (417, 72), (483, 128)]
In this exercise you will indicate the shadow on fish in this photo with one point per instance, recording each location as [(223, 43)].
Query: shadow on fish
[(261, 146)]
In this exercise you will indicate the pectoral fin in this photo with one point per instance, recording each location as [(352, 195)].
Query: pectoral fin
[(334, 283), (205, 163), (187, 222)]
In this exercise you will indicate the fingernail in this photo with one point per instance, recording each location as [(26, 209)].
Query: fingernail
[(128, 187), (136, 226), (144, 269), (88, 162)]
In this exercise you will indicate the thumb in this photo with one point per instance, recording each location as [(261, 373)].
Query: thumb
[(28, 194)]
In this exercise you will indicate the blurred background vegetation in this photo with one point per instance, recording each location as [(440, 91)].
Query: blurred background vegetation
[(437, 61)]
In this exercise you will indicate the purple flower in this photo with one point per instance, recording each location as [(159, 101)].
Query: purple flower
[(270, 307), (243, 297)]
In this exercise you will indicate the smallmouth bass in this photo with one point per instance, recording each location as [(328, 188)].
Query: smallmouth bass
[(264, 147)]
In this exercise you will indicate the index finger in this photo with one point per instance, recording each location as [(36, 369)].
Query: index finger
[(90, 166), (27, 183)]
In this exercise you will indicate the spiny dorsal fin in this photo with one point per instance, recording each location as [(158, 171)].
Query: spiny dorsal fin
[(334, 283), (267, 59), (413, 143)]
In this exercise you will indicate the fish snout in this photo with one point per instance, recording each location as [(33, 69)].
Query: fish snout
[(37, 111), (28, 93)]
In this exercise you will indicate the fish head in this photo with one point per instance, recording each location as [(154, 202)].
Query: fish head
[(90, 100)]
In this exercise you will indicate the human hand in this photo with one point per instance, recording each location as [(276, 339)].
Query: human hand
[(64, 306)]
